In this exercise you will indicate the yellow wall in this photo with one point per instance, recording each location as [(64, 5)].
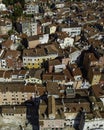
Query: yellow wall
[(52, 29), (95, 79), (33, 44), (36, 62), (36, 65)]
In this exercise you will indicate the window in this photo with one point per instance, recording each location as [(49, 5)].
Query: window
[(100, 125), (4, 99), (28, 59), (6, 103), (70, 125)]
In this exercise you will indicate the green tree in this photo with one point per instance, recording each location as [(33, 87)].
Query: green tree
[(20, 47), (6, 2), (10, 32), (18, 11), (22, 2)]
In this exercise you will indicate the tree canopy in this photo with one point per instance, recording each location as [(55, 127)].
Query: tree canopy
[(13, 2)]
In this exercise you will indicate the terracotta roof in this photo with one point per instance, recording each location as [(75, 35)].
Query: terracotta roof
[(7, 43), (74, 105), (4, 21), (59, 76), (7, 74), (20, 87), (54, 62), (95, 70), (12, 54), (32, 38), (1, 73), (73, 66), (52, 88), (4, 36), (98, 90), (76, 72), (102, 114), (41, 50), (35, 73), (62, 35), (102, 78), (33, 52), (82, 92), (47, 77), (91, 57), (22, 72), (68, 75), (95, 43), (13, 110)]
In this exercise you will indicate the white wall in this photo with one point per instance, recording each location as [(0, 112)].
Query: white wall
[(72, 31), (93, 124), (44, 39)]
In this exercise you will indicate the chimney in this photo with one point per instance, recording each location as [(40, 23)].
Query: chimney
[(14, 108), (73, 69), (63, 102), (79, 101)]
